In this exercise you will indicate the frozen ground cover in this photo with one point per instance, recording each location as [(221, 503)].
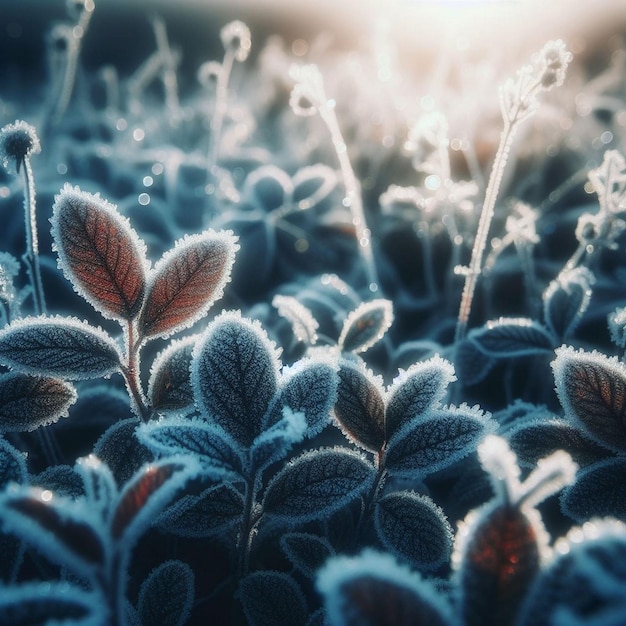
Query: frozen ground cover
[(311, 321)]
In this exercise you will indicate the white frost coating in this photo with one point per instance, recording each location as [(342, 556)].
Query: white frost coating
[(359, 322), (180, 246), (320, 172), (267, 173), (303, 324), (342, 570), (69, 196)]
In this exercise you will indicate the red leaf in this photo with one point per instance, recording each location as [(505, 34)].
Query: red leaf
[(138, 494), (500, 563), (186, 282), (99, 253)]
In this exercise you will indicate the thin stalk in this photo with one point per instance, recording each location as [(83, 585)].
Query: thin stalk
[(370, 499), (353, 198), (71, 62), (31, 256), (248, 528), (486, 215), (219, 113), (168, 77)]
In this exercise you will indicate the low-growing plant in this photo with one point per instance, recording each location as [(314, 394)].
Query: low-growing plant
[(247, 396)]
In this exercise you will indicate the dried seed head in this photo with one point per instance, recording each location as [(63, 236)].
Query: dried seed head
[(553, 61), (307, 95), (17, 142), (236, 38), (209, 73)]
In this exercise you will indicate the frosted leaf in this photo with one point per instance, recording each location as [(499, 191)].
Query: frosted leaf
[(268, 188), (599, 490), (9, 297), (500, 463), (430, 443), (316, 484), (98, 483), (308, 387), (584, 581), (372, 588), (270, 597), (12, 465), (592, 390), (303, 324), (186, 282), (275, 442), (535, 438), (312, 185), (234, 375), (413, 528), (50, 602), (306, 552), (566, 299), (511, 337), (99, 253), (415, 391), (498, 558), (68, 532), (62, 480), (149, 491), (366, 325), (28, 402), (472, 364), (211, 512), (121, 450), (169, 386), (216, 452), (360, 407), (58, 346), (166, 596)]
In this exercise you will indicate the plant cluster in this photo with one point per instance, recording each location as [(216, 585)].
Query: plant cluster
[(283, 376)]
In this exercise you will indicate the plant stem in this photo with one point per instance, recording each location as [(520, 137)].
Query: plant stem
[(486, 215), (219, 113), (353, 198), (31, 256), (131, 371)]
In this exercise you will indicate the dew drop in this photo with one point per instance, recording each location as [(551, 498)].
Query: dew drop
[(61, 169), (46, 495), (121, 124), (373, 287), (157, 169), (139, 134), (144, 199), (148, 181)]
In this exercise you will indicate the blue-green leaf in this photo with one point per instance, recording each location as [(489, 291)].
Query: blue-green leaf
[(68, 532), (372, 588), (599, 491), (63, 480), (585, 581), (511, 337), (592, 390), (217, 453), (566, 299), (308, 387), (307, 552), (317, 483), (37, 603), (415, 391), (58, 346), (234, 376), (272, 599), (414, 528), (535, 438), (430, 443), (166, 596), (274, 443), (169, 386), (360, 407), (28, 402), (209, 513), (366, 325)]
